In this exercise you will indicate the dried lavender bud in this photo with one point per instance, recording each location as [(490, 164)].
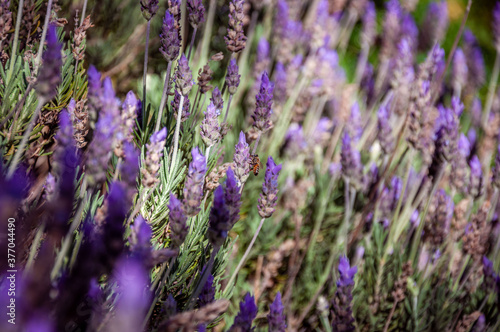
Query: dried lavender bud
[(460, 70), (196, 12), (152, 161), (369, 25), (447, 134), (232, 197), (169, 37), (342, 319), (269, 196), (185, 106), (384, 134), (210, 128), (207, 294), (183, 77), (232, 77), (351, 160), (263, 104), (127, 124), (276, 318), (438, 219), (476, 182), (217, 99), (204, 77), (241, 160), (49, 76), (80, 119), (219, 224), (235, 39), (248, 312), (193, 188), (496, 25), (149, 8), (5, 19), (177, 222)]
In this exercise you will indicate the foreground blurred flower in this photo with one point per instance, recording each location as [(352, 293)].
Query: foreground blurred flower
[(276, 318), (342, 319), (152, 161), (269, 196), (219, 224), (177, 221), (49, 77), (193, 188), (476, 182), (248, 312), (232, 197), (207, 294)]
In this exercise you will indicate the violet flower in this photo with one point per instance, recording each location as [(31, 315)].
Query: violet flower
[(342, 319), (489, 274), (128, 117), (276, 318), (219, 223), (458, 175), (49, 77), (207, 294), (269, 196), (246, 315), (281, 18), (175, 103), (263, 104), (140, 237), (130, 168), (438, 219), (391, 28), (384, 134), (210, 127), (152, 162), (351, 160), (354, 125), (217, 99), (460, 71), (193, 188), (280, 77), (241, 160), (177, 222), (447, 134), (476, 182), (196, 12), (169, 37), (183, 77), (232, 77), (435, 23), (149, 8), (232, 196)]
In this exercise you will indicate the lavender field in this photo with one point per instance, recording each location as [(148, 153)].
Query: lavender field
[(249, 165)]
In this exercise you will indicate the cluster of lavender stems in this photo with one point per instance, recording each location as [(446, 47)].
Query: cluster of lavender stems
[(380, 185)]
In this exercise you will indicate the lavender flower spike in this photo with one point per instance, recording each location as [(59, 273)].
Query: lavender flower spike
[(384, 133), (241, 160), (476, 182), (210, 127), (176, 101), (263, 104), (217, 99), (219, 224), (193, 188), (153, 158), (169, 37), (177, 221), (460, 70), (351, 160), (49, 76), (149, 8), (341, 305), (232, 77), (276, 318), (207, 294), (236, 39), (248, 312), (196, 12), (269, 196), (232, 197), (183, 77)]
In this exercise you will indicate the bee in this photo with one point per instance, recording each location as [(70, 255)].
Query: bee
[(255, 164)]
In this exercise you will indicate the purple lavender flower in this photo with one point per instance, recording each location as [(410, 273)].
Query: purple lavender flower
[(460, 70), (263, 104), (169, 37), (219, 223), (241, 160), (130, 168), (269, 196), (480, 325), (232, 196), (248, 312), (335, 169), (436, 23), (476, 182), (342, 319), (196, 12), (140, 237), (281, 18), (177, 221), (351, 160), (496, 25), (217, 99), (235, 39), (185, 106), (207, 294), (447, 134), (369, 25), (276, 318), (49, 77), (183, 77), (489, 274), (210, 127), (232, 77), (475, 61), (149, 8), (354, 126), (64, 136), (280, 77), (152, 161), (295, 142), (128, 117), (384, 133), (391, 27), (438, 219), (409, 30), (94, 81), (193, 188)]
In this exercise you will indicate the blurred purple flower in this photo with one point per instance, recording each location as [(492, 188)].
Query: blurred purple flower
[(193, 188), (276, 318), (351, 160), (384, 133), (241, 160), (369, 20), (460, 71), (49, 77), (246, 315), (232, 196), (207, 294), (217, 99), (476, 182), (219, 223), (175, 103), (342, 319), (263, 104), (177, 221)]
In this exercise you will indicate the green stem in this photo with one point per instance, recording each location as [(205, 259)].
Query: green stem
[(176, 134), (192, 43), (16, 39), (34, 248), (144, 74), (164, 96), (244, 258), (44, 35), (227, 109), (84, 9)]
